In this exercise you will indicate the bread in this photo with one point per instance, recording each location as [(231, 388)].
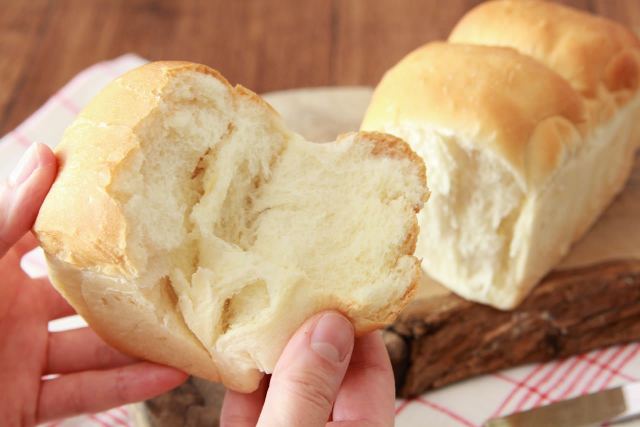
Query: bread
[(190, 228), (525, 143), (598, 57)]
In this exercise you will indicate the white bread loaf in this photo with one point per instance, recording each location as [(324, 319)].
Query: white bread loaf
[(189, 227), (524, 145)]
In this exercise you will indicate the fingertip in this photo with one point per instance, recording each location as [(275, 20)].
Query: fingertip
[(23, 193), (328, 335), (332, 336), (98, 390), (36, 159), (309, 372), (45, 154), (145, 380), (370, 370), (243, 409), (47, 167), (29, 192), (373, 339), (165, 375)]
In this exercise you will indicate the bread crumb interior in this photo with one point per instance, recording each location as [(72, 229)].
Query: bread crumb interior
[(247, 221)]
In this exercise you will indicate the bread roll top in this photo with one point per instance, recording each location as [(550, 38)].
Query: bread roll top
[(598, 57), (495, 98)]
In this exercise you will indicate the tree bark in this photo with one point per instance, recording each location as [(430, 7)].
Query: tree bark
[(443, 339)]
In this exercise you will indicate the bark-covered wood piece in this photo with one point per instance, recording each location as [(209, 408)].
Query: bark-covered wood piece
[(443, 339), (196, 403)]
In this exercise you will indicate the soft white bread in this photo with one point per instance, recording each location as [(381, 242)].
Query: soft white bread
[(519, 162), (189, 227)]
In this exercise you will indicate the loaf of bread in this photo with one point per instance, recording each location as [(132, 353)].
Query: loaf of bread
[(527, 121), (190, 228)]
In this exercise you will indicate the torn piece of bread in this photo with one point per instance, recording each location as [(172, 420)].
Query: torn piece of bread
[(189, 227), (523, 150)]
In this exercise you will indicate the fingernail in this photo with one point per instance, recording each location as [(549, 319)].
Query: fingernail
[(28, 163), (332, 337)]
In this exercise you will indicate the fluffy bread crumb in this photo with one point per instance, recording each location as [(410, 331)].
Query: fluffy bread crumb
[(223, 226)]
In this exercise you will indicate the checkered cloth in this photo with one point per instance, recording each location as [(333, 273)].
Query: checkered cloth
[(468, 403)]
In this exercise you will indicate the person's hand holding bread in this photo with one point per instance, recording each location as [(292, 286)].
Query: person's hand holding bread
[(90, 376)]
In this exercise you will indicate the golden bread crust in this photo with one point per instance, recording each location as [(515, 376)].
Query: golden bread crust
[(498, 102), (93, 233), (386, 145), (589, 51)]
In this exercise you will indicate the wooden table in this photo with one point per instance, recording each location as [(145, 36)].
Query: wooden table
[(263, 44)]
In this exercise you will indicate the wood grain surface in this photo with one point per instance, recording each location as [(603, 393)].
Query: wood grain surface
[(265, 45)]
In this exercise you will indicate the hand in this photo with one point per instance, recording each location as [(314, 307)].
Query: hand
[(92, 376), (322, 378)]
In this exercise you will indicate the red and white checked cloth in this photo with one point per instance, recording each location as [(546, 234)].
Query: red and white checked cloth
[(468, 403)]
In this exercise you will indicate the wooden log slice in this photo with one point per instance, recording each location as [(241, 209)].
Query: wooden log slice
[(443, 339)]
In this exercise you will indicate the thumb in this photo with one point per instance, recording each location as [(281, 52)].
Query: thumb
[(24, 192), (307, 377)]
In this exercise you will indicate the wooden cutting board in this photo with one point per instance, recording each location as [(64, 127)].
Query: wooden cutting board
[(592, 299)]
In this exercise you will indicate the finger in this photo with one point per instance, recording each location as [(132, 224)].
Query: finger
[(81, 350), (368, 390), (357, 424), (57, 306), (308, 374), (243, 410), (11, 261), (27, 243), (94, 391), (24, 192)]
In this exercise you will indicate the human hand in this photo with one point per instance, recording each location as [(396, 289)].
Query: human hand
[(91, 376), (322, 378)]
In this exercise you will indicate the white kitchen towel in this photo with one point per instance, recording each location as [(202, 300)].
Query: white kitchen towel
[(468, 403)]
